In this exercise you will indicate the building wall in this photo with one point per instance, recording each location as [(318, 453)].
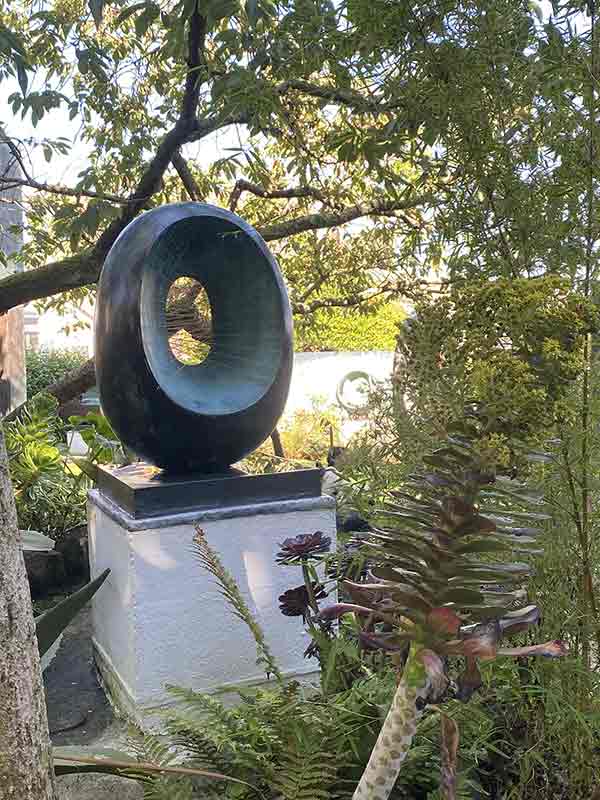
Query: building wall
[(316, 376), (12, 356)]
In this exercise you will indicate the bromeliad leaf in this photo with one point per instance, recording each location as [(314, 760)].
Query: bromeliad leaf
[(461, 596), (484, 546)]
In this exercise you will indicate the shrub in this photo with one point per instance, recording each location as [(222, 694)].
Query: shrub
[(50, 486), (306, 437), (45, 367), (349, 329), (294, 743)]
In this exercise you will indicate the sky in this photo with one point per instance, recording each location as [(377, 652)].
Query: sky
[(63, 170)]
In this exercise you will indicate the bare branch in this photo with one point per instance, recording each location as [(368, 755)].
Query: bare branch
[(242, 185), (4, 139), (311, 222), (345, 97), (188, 180), (62, 190)]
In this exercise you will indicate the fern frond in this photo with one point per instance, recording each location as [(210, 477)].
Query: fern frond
[(168, 788), (236, 741), (150, 748), (305, 774), (211, 562)]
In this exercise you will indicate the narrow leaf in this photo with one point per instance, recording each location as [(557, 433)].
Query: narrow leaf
[(22, 75), (70, 759), (97, 7), (50, 624)]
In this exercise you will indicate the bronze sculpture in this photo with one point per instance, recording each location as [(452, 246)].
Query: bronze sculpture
[(192, 417)]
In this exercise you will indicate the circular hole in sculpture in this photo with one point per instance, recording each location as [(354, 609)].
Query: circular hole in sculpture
[(189, 321)]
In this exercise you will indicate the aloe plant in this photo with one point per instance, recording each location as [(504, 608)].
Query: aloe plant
[(445, 584), (51, 624)]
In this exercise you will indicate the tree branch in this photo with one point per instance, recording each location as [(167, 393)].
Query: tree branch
[(303, 309), (188, 180), (242, 185), (61, 276), (345, 97), (9, 183), (195, 62), (333, 219), (83, 269)]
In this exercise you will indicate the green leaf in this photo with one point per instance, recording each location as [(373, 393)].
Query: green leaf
[(146, 18), (33, 540), (14, 42), (222, 9), (130, 11), (483, 546), (252, 11), (69, 760), (461, 597), (486, 613), (50, 624), (97, 7), (21, 75)]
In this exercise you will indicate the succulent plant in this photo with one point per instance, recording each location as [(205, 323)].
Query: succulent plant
[(444, 583), (297, 602), (304, 547)]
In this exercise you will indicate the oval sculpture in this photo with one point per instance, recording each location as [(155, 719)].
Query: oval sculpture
[(201, 417)]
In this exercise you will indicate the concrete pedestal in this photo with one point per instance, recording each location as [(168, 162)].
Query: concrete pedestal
[(160, 619)]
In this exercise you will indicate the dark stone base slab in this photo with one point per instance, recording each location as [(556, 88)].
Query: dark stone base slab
[(145, 491)]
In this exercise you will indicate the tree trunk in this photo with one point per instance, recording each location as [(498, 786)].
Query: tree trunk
[(26, 771)]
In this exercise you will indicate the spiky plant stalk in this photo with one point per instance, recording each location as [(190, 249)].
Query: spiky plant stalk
[(397, 733), (209, 559), (449, 754), (437, 586)]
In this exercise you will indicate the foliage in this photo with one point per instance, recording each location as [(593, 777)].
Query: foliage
[(51, 624), (293, 742), (349, 330), (45, 367), (50, 490), (513, 345), (543, 710), (103, 445), (50, 485), (306, 436), (149, 770), (265, 66), (211, 562), (546, 718), (435, 532), (445, 581)]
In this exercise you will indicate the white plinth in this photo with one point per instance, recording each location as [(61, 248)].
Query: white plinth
[(159, 618)]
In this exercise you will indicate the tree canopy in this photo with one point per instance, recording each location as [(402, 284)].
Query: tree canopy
[(346, 111), (376, 145)]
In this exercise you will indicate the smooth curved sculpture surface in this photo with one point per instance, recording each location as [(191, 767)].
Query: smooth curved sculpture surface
[(201, 417)]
